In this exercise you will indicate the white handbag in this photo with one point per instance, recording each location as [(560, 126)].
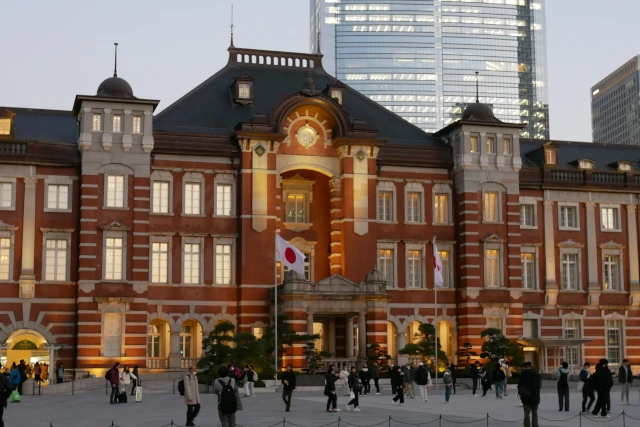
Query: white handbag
[(352, 395)]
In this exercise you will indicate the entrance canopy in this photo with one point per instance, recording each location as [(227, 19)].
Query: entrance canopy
[(558, 347)]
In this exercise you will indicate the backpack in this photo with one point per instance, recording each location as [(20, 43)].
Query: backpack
[(562, 381), (181, 387), (227, 403), (107, 376), (255, 376), (447, 378)]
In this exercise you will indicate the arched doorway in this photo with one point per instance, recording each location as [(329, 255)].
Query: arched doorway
[(392, 335), (190, 343), (413, 332), (27, 345), (445, 336), (158, 339)]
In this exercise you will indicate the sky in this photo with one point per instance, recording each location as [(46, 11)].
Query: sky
[(55, 50)]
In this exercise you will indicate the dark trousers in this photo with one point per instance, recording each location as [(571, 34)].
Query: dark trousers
[(530, 415), (59, 379), (399, 394), (332, 401), (114, 393), (192, 413), (375, 381), (587, 394), (486, 386), (454, 386), (20, 387), (366, 387), (1, 411), (354, 401), (133, 390), (563, 397), (475, 385), (286, 396), (601, 403)]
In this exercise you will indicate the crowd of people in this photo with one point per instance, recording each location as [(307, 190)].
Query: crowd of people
[(39, 372)]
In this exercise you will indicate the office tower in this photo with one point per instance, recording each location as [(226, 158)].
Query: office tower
[(418, 58), (615, 106)]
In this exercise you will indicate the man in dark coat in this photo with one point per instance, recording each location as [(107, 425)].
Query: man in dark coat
[(452, 368), (625, 378), (602, 382), (475, 376), (529, 392), (397, 381), (288, 385)]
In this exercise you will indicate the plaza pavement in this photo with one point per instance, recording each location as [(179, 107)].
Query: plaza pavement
[(159, 408)]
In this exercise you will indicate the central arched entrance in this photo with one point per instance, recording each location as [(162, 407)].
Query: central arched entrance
[(27, 345)]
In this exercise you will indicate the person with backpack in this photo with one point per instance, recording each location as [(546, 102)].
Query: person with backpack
[(529, 391), (475, 377), (14, 377), (191, 395), (375, 374), (452, 369), (365, 380), (602, 383), (562, 375), (113, 376), (228, 399), (406, 381), (5, 392), (330, 390), (585, 386), (625, 378), (354, 385), (498, 381), (447, 380), (422, 379), (288, 385), (248, 377)]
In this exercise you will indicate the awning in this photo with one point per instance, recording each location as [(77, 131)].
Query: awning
[(553, 342)]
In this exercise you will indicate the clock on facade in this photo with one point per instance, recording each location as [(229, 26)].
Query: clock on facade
[(306, 136)]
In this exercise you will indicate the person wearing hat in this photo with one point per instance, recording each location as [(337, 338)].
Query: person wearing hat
[(422, 379)]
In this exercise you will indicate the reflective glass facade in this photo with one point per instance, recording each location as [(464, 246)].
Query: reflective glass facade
[(418, 58)]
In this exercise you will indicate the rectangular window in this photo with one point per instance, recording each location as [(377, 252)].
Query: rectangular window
[(112, 334), (385, 265), (153, 345), (527, 216), (550, 157), (528, 270), (492, 268), (6, 194), (56, 260), (414, 269), (113, 259), (494, 322), (337, 95), (506, 146), (572, 331), (223, 199), (530, 328), (185, 342), (296, 208), (137, 124), (413, 207), (192, 198), (5, 126), (5, 258), (474, 144), (244, 91), (446, 272), (258, 332), (97, 122), (569, 271), (614, 341), (610, 219), (57, 196), (307, 266), (491, 145), (159, 262), (117, 123), (223, 264), (612, 273), (191, 263), (160, 197), (441, 209), (115, 191), (491, 206), (385, 205), (568, 217)]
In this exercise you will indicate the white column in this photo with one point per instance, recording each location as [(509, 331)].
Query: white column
[(632, 229), (174, 352), (325, 335), (309, 323), (27, 273), (592, 256), (401, 342), (107, 129), (362, 335), (551, 284), (147, 138), (349, 333), (332, 336)]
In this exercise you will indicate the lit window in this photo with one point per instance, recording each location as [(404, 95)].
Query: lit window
[(5, 126), (585, 164), (5, 257), (223, 264), (115, 191), (113, 259), (192, 198), (385, 265), (572, 331), (117, 123), (491, 206), (6, 194), (185, 341), (446, 272), (568, 217), (296, 208), (97, 122), (191, 263), (491, 145), (413, 207), (160, 197), (56, 260), (441, 209), (624, 167), (528, 271), (550, 157), (527, 216), (258, 332), (610, 219), (612, 273), (337, 95), (112, 334), (159, 262), (244, 90), (153, 341), (385, 205), (492, 268), (506, 146), (474, 144), (614, 341), (57, 196), (569, 265), (414, 269), (223, 199), (137, 124)]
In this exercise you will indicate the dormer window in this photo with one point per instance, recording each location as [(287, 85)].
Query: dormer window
[(336, 94), (550, 156), (5, 126), (586, 164), (243, 90), (625, 166)]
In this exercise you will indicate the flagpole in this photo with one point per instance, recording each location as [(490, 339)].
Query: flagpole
[(435, 292), (275, 317)]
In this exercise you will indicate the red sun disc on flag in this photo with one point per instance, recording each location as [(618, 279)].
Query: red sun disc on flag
[(290, 255)]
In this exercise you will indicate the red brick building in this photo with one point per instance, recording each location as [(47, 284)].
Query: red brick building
[(126, 235)]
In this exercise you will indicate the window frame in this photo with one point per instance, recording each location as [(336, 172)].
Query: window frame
[(140, 129), (112, 234), (474, 144), (442, 189), (498, 207), (199, 240), (613, 249), (8, 232), (421, 247), (9, 119), (224, 179), (125, 191), (534, 212), (579, 329), (617, 218), (386, 187), (393, 247), (56, 235), (414, 188), (573, 205), (58, 180), (230, 241), (297, 185), (161, 176), (13, 188), (166, 238), (507, 147), (490, 145), (99, 120), (113, 309), (448, 270), (571, 249), (622, 337), (193, 178), (533, 251), (120, 119)]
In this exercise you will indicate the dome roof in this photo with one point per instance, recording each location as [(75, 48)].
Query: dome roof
[(115, 87), (479, 112), (375, 276)]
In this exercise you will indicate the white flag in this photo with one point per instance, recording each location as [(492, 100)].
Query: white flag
[(437, 266), (289, 255)]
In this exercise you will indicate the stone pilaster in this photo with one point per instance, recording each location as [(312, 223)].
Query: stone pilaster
[(592, 255), (551, 283), (634, 267), (337, 214), (362, 335), (27, 272)]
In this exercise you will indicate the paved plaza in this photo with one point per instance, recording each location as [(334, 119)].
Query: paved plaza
[(159, 408)]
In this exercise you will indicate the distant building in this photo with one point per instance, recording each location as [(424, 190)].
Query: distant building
[(418, 58), (615, 106)]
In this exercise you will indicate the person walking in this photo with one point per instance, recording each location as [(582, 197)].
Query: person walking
[(585, 387), (354, 385), (14, 377), (330, 390), (365, 380), (191, 395), (37, 371), (45, 372), (602, 383), (562, 375), (397, 384), (375, 374), (343, 376), (452, 369), (422, 379), (498, 381), (22, 368), (228, 399), (406, 381), (507, 375), (288, 385), (126, 378), (113, 377), (485, 380), (475, 377), (135, 380), (447, 380), (5, 391), (625, 378), (60, 374), (529, 392), (247, 379)]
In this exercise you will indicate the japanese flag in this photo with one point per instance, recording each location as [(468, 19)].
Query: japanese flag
[(289, 256), (437, 266)]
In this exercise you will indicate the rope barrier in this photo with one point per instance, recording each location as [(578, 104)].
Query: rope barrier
[(361, 425), (506, 421), (595, 420), (324, 425), (464, 422), (414, 424), (561, 420)]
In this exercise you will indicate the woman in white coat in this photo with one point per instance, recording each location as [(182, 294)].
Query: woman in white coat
[(125, 378)]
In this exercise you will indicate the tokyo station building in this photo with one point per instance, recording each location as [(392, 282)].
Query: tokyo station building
[(127, 235)]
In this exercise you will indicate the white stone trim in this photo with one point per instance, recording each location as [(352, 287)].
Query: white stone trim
[(58, 180), (116, 170), (225, 240), (414, 187), (411, 247), (619, 219), (566, 248), (535, 250), (442, 189), (112, 307), (117, 235), (531, 201), (491, 187), (394, 247), (14, 189), (9, 232), (493, 244), (616, 249), (565, 228), (191, 240)]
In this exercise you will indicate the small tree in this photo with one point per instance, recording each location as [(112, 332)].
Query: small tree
[(497, 346), (378, 355), (466, 351), (217, 347), (426, 345), (314, 357), (286, 337)]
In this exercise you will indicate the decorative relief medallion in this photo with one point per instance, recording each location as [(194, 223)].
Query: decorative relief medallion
[(307, 136)]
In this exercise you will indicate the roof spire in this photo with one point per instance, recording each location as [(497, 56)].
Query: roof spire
[(231, 26), (115, 64), (477, 90), (318, 21)]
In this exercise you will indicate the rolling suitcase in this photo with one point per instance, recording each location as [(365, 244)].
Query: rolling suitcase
[(122, 397), (138, 394)]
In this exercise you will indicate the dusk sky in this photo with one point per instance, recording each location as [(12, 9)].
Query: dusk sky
[(55, 50)]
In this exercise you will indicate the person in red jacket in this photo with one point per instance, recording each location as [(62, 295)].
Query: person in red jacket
[(114, 378)]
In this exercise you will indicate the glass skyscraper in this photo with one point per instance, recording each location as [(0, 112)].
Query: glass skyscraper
[(418, 58)]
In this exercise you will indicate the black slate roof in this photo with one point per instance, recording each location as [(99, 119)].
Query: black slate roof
[(44, 125), (210, 109)]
